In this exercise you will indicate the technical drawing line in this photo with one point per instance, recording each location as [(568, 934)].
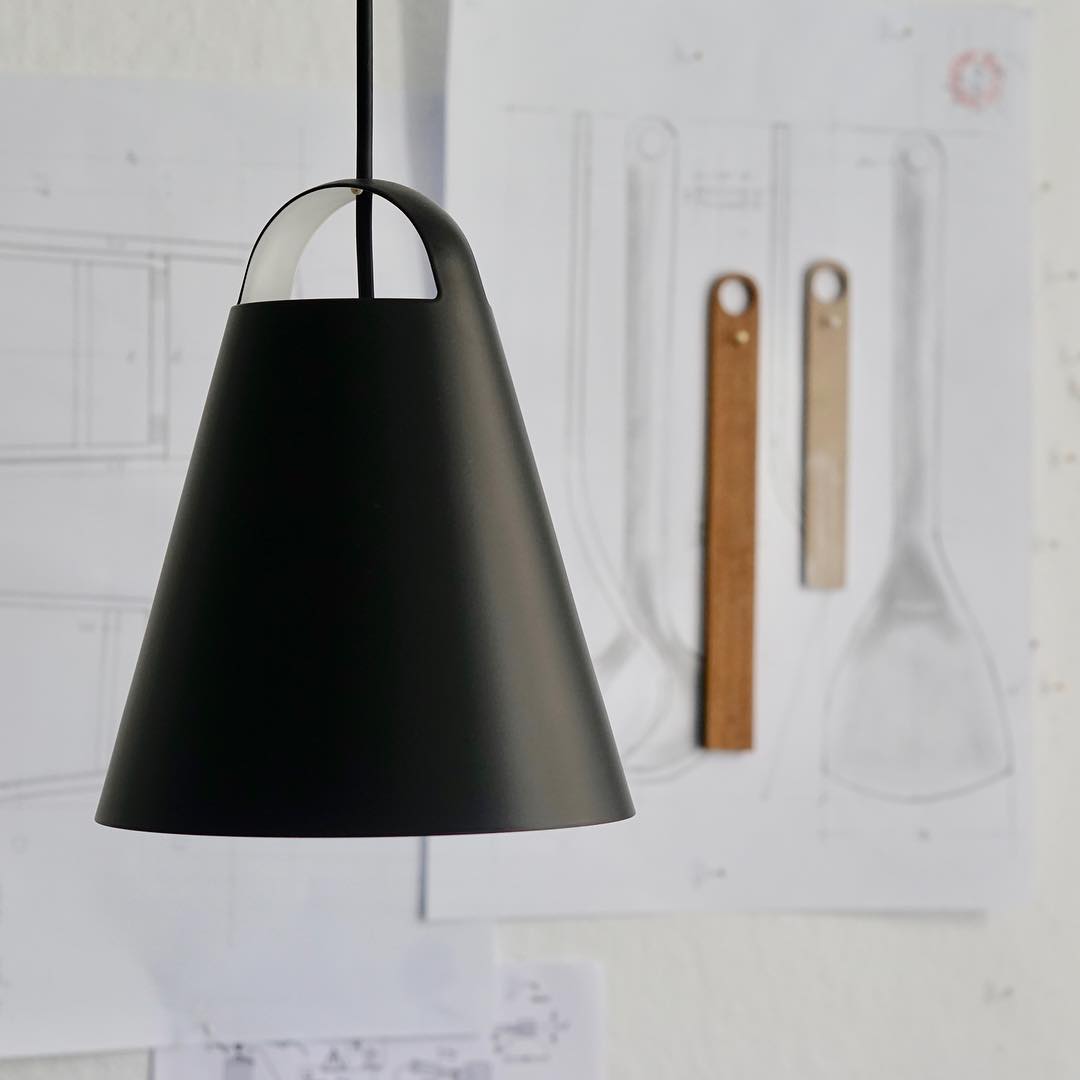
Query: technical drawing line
[(100, 636), (119, 240), (73, 601), (51, 793), (7, 785), (781, 392), (79, 416)]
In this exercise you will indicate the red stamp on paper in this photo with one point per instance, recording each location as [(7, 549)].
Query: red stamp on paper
[(976, 79)]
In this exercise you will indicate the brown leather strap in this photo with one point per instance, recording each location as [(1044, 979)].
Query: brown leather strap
[(731, 513)]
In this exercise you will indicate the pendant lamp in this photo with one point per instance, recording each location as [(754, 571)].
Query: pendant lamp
[(362, 626)]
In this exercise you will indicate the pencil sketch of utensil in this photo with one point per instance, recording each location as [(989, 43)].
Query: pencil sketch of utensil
[(916, 711), (635, 681), (650, 192), (652, 158)]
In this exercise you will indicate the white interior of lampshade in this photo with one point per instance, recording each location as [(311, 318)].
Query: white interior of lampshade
[(272, 268), (295, 258)]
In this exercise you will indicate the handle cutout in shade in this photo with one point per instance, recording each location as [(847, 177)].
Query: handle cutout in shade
[(272, 266)]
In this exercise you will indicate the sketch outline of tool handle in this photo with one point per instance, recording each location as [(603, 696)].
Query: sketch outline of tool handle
[(638, 663)]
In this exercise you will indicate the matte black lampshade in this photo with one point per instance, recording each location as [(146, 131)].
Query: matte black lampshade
[(363, 626)]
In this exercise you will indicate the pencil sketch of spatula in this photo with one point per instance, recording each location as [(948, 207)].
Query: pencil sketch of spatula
[(916, 711)]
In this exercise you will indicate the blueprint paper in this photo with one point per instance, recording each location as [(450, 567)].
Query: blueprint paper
[(548, 1024), (606, 177), (551, 1023), (127, 210)]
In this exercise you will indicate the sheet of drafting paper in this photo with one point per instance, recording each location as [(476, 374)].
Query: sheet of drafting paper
[(551, 1022), (547, 1023), (126, 213), (608, 162)]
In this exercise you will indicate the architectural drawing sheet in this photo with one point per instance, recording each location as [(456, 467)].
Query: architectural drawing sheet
[(126, 214), (548, 1025), (606, 180)]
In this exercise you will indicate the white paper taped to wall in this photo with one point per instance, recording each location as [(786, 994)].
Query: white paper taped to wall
[(606, 176), (548, 1025), (127, 213)]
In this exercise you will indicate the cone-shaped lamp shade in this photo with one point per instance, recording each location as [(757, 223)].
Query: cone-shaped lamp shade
[(363, 625)]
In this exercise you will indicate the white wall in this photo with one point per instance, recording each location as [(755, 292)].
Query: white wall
[(760, 996)]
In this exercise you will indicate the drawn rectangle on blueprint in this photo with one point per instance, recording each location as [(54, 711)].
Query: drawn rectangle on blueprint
[(44, 751), (609, 198), (37, 406), (115, 283), (83, 374), (88, 375)]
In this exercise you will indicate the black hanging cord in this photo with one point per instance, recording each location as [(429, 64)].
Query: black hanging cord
[(365, 78)]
